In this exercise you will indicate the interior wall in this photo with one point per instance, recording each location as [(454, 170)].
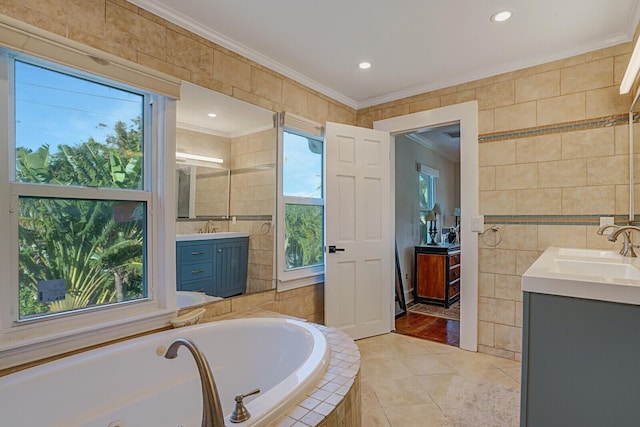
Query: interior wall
[(408, 153)]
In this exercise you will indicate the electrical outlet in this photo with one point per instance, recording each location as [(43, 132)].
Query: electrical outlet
[(607, 220)]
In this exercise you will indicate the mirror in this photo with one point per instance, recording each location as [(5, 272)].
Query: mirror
[(226, 174)]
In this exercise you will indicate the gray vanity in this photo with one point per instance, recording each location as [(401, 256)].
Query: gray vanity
[(213, 263), (581, 340)]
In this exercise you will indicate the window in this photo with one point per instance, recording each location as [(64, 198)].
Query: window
[(302, 207), (427, 196), (77, 248), (80, 181)]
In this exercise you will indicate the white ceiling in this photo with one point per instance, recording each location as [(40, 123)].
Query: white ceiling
[(414, 45)]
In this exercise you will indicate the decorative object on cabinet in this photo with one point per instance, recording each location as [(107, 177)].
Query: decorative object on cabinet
[(430, 219), (456, 214), (217, 267), (437, 274)]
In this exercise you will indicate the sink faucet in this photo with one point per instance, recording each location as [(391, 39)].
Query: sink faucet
[(627, 248), (211, 408), (209, 227)]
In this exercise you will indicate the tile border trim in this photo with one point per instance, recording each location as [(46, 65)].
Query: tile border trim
[(601, 122), (590, 220)]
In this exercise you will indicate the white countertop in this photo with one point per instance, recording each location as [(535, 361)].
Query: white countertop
[(585, 273), (209, 236)]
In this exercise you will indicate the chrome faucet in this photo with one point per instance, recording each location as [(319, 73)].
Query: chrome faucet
[(211, 408), (208, 227), (627, 247)]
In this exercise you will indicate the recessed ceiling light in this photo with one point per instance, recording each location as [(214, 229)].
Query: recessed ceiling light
[(364, 65), (501, 16), (212, 115)]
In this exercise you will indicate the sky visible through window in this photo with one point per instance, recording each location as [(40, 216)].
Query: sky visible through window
[(302, 169), (54, 108)]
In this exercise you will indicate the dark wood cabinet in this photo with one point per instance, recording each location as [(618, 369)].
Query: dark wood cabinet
[(437, 274)]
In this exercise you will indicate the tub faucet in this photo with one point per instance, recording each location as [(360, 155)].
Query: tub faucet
[(211, 408), (627, 247)]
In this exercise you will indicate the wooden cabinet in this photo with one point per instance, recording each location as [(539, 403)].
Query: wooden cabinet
[(217, 267), (437, 274)]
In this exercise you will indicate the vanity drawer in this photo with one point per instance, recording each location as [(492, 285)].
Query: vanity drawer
[(454, 259), (454, 274), (196, 252), (197, 286), (454, 289), (196, 271)]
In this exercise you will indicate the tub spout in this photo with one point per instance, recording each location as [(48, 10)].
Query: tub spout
[(211, 408)]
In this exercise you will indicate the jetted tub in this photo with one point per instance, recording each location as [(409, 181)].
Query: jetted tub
[(131, 384)]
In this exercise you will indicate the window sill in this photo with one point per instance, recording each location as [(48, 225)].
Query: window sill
[(21, 351), (300, 281)]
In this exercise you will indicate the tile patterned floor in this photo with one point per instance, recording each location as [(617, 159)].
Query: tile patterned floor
[(410, 382)]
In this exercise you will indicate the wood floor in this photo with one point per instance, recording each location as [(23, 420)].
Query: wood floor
[(429, 327)]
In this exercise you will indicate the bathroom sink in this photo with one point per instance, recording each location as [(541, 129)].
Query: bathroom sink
[(588, 253), (207, 236), (605, 270), (585, 273)]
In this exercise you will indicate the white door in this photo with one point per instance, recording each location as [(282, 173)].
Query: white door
[(358, 275)]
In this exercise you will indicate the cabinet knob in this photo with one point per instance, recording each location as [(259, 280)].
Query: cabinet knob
[(219, 251)]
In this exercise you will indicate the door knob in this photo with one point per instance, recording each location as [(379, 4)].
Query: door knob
[(333, 249)]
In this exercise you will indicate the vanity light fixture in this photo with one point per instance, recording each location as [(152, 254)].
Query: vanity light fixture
[(364, 65), (501, 16), (187, 156), (212, 115)]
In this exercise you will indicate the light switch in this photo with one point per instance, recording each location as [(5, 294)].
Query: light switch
[(477, 224)]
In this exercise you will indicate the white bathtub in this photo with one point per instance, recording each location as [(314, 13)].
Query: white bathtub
[(129, 385)]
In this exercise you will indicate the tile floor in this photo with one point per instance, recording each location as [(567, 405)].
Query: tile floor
[(409, 382)]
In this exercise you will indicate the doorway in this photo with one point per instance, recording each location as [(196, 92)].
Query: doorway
[(427, 211), (466, 114)]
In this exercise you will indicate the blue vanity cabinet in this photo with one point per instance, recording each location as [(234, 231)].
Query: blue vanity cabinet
[(217, 267), (194, 267), (579, 362), (230, 266)]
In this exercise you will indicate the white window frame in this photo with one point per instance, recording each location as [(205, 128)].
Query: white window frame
[(303, 276), (32, 339)]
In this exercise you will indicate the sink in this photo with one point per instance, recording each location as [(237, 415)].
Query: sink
[(585, 273), (588, 253), (604, 270), (208, 236)]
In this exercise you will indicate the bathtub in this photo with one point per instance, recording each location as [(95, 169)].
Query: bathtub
[(131, 384)]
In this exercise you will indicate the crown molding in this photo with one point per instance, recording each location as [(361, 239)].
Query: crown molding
[(200, 129), (187, 23)]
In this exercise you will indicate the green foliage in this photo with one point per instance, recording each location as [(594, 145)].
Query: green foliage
[(79, 240), (303, 239)]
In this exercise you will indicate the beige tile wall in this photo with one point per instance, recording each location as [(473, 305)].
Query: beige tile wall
[(573, 170)]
